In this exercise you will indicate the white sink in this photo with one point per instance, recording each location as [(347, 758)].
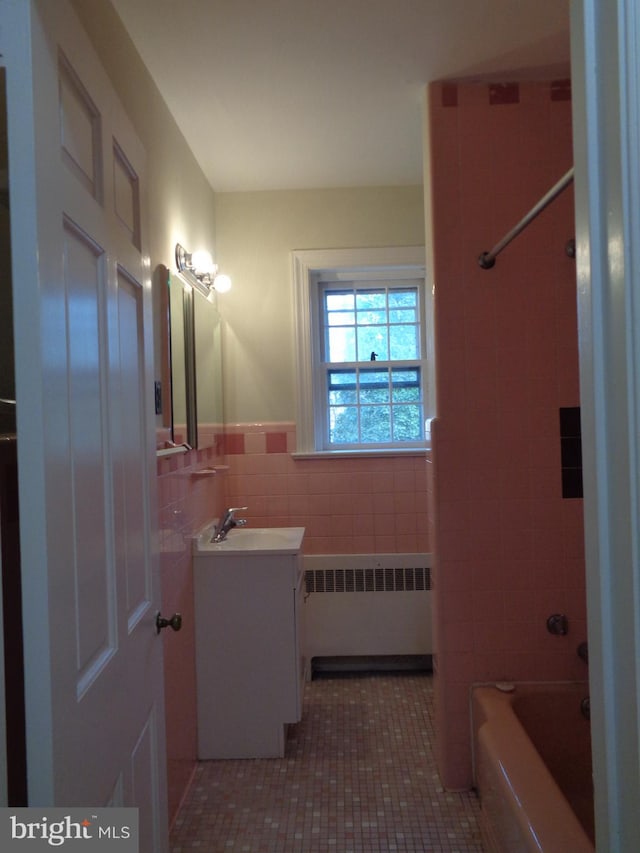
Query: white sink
[(251, 541)]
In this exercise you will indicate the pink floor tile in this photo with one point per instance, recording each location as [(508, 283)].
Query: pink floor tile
[(358, 776)]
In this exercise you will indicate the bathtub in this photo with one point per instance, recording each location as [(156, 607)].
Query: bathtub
[(532, 767)]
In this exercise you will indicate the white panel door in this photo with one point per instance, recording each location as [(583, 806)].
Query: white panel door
[(606, 72), (93, 659)]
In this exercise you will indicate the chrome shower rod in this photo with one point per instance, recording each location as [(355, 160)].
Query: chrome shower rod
[(487, 259)]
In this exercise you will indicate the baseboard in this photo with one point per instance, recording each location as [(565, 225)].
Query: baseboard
[(348, 664)]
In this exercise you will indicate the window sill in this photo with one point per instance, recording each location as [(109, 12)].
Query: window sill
[(359, 454)]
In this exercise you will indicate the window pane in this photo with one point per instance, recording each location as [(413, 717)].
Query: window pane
[(374, 377), (370, 318), (407, 423), (374, 395), (341, 344), (343, 425), (342, 379), (406, 395), (341, 318), (399, 298), (374, 386), (403, 342), (372, 340), (343, 398), (339, 300), (405, 376), (403, 315), (367, 299), (375, 424)]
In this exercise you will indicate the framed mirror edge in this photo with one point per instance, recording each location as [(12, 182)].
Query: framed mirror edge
[(189, 369)]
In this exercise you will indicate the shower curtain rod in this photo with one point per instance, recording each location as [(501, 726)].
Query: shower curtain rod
[(488, 259)]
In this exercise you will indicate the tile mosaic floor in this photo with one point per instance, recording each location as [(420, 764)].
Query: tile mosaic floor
[(358, 776)]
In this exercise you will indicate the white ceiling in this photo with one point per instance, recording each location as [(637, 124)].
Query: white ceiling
[(290, 94)]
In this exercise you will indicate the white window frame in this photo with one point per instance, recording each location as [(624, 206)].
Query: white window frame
[(308, 267)]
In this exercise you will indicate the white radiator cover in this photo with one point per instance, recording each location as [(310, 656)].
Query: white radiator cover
[(367, 605)]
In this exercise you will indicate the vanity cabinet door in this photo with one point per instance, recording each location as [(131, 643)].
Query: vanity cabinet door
[(247, 654)]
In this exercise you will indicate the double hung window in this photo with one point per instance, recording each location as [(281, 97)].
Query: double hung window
[(361, 349), (369, 375)]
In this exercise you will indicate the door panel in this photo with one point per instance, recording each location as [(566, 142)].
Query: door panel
[(93, 582), (606, 114), (126, 191), (133, 550), (84, 371), (80, 136), (144, 771)]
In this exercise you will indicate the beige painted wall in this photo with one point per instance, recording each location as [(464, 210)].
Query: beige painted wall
[(256, 233), (252, 234)]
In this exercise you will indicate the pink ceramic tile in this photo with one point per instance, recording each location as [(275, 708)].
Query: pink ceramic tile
[(522, 636), (483, 483), (384, 544), (234, 443), (341, 526), (488, 605), (255, 442), (406, 523), (489, 636), (363, 525), (454, 578), (457, 637), (409, 543), (278, 507), (452, 481), (383, 525), (506, 359), (318, 798), (362, 543), (504, 93), (276, 442), (456, 667)]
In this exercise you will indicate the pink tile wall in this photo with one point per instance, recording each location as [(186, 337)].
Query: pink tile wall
[(508, 548), (348, 506), (187, 499)]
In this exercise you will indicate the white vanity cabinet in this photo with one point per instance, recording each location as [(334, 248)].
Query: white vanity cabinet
[(249, 663)]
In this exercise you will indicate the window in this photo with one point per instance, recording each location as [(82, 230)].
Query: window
[(369, 380), (361, 352)]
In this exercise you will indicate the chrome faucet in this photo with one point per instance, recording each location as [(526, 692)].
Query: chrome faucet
[(229, 521)]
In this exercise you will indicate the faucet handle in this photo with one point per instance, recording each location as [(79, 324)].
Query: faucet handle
[(237, 509), (583, 651)]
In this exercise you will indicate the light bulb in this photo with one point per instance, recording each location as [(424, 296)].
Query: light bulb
[(202, 263), (222, 283)]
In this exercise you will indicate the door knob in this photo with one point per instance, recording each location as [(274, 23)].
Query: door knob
[(162, 622)]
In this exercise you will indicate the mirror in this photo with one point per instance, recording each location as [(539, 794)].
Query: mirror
[(195, 349), (208, 370), (178, 296)]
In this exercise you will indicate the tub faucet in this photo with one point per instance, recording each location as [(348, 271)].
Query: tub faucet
[(228, 522), (583, 651)]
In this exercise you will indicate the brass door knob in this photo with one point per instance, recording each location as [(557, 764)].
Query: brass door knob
[(162, 622)]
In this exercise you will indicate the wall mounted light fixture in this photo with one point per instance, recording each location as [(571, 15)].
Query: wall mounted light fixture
[(200, 271)]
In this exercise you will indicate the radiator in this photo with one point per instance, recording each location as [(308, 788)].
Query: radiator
[(367, 605)]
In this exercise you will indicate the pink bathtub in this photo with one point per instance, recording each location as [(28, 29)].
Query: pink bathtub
[(532, 768)]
